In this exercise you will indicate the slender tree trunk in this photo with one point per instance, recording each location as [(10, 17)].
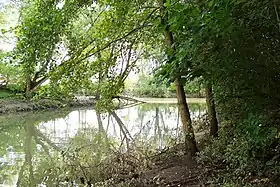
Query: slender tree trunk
[(211, 110), (100, 124), (184, 111), (27, 85), (190, 141)]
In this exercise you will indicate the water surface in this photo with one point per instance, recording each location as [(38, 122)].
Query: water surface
[(35, 148)]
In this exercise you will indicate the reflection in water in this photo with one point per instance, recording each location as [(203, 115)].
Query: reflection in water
[(52, 147)]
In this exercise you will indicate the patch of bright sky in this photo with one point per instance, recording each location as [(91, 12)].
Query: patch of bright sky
[(8, 40), (60, 4), (4, 1)]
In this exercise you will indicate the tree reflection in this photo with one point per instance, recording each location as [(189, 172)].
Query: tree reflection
[(57, 157), (19, 133), (29, 174), (52, 165), (161, 123), (124, 130)]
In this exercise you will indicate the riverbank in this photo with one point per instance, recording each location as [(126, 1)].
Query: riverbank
[(170, 100), (171, 167), (14, 105)]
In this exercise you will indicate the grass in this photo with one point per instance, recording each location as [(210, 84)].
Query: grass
[(5, 94)]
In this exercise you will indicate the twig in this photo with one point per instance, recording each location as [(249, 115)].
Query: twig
[(277, 15)]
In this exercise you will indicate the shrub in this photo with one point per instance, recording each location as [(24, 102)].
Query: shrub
[(242, 151), (147, 87)]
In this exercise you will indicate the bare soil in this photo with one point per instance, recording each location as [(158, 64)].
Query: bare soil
[(172, 168)]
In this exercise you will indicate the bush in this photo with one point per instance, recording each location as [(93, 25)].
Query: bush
[(15, 88), (195, 88), (52, 92), (243, 151), (12, 76), (147, 87)]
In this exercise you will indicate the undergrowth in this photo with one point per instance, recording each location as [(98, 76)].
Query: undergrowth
[(246, 153)]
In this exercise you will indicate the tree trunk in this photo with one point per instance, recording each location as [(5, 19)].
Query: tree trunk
[(211, 110), (190, 141), (184, 111), (34, 85), (100, 124), (27, 86)]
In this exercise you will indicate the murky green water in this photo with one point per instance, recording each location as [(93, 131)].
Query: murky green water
[(47, 147)]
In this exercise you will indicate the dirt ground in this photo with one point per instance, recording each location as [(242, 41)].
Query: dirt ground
[(180, 171), (172, 168)]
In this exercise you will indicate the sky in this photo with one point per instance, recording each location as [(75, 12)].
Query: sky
[(11, 17), (4, 1)]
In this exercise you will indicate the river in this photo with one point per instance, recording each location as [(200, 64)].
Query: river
[(34, 145)]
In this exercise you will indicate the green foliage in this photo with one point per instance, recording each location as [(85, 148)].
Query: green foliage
[(5, 94), (53, 91), (242, 150), (147, 87), (194, 88), (39, 47), (217, 42), (11, 76)]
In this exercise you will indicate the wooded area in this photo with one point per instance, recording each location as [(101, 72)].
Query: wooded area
[(231, 46)]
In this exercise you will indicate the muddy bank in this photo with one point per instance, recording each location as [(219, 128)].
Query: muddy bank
[(18, 105)]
